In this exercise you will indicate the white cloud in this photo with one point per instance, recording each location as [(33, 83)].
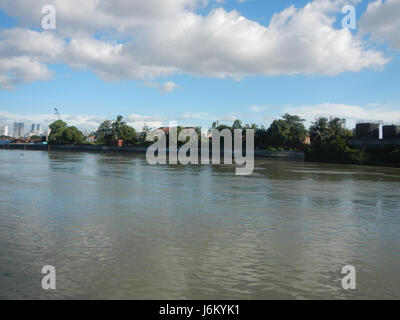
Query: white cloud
[(255, 108), (382, 21), (19, 41), (16, 70), (8, 117), (198, 116), (23, 54), (138, 125), (168, 87), (139, 121), (351, 113), (83, 122), (143, 40), (227, 118), (137, 117)]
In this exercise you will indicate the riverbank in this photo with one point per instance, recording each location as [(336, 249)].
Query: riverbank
[(367, 156), (261, 153), (372, 152)]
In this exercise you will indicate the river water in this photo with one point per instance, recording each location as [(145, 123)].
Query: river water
[(115, 227)]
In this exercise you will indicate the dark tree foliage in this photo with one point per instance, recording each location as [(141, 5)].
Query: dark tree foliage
[(110, 132), (62, 134), (329, 141), (286, 133)]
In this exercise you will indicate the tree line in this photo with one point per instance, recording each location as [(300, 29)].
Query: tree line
[(286, 133)]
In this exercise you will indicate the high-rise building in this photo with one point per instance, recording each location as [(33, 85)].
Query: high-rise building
[(35, 130), (4, 131), (19, 130)]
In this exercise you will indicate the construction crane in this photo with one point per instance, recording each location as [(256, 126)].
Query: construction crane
[(57, 114)]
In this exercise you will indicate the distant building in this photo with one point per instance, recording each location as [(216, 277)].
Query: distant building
[(19, 130), (4, 131), (307, 139), (367, 130), (35, 130), (91, 139), (391, 131)]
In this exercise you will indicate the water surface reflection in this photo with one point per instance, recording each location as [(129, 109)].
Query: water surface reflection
[(115, 227)]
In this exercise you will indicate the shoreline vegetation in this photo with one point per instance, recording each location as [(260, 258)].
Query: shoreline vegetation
[(327, 140)]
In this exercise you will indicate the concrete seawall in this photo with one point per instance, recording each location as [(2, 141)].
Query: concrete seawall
[(142, 150)]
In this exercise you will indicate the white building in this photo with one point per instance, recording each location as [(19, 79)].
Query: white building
[(4, 131)]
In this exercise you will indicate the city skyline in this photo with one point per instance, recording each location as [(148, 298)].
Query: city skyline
[(19, 130)]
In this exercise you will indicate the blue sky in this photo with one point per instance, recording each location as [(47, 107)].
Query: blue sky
[(366, 87)]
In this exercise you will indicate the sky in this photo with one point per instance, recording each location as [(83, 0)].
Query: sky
[(198, 61)]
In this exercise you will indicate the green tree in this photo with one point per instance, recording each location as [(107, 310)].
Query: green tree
[(277, 134), (328, 141), (35, 137), (319, 130), (324, 130), (261, 137), (118, 127), (110, 132), (146, 129), (62, 134), (104, 133), (56, 132), (223, 126), (128, 134), (215, 125), (287, 133), (198, 130), (142, 136), (251, 126), (72, 135), (237, 124), (297, 131)]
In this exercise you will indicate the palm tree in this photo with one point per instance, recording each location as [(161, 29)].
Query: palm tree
[(336, 127), (319, 130), (117, 127)]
